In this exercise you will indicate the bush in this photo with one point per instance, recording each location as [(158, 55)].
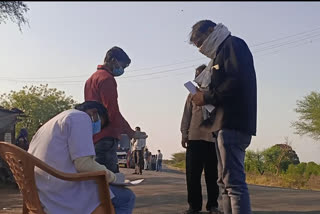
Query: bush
[(312, 169), (178, 160)]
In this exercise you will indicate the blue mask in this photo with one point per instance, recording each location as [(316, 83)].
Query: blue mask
[(117, 71), (96, 126)]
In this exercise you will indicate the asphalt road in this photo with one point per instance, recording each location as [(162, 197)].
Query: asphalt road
[(165, 193)]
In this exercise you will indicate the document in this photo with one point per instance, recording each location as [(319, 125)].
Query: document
[(128, 183), (193, 90)]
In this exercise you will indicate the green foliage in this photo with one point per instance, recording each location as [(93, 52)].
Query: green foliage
[(278, 158), (278, 165), (179, 160), (15, 11), (39, 104), (254, 162), (178, 157), (297, 169), (309, 116), (304, 169), (312, 169)]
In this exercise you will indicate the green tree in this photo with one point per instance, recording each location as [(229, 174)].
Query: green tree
[(39, 104), (312, 169), (254, 162), (15, 11), (179, 159), (308, 122), (278, 158)]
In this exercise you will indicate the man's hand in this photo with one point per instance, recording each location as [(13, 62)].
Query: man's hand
[(139, 135), (198, 98), (184, 142), (119, 178)]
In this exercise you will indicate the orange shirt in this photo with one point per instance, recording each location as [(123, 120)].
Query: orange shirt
[(102, 87)]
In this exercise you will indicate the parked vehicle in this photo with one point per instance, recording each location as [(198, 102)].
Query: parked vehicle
[(124, 153)]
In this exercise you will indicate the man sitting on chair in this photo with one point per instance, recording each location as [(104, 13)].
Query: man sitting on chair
[(65, 143)]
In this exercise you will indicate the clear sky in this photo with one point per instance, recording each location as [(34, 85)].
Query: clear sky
[(67, 40)]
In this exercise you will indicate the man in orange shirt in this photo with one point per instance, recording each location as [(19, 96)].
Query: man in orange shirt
[(102, 87)]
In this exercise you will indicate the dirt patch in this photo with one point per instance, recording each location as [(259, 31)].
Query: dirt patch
[(10, 199)]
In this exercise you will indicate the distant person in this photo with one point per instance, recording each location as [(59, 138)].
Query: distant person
[(146, 159), (65, 143), (150, 161), (233, 91), (138, 148), (201, 155), (22, 139), (153, 162), (102, 87), (159, 161)]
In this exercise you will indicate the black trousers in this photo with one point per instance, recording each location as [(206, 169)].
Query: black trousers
[(138, 160), (201, 155)]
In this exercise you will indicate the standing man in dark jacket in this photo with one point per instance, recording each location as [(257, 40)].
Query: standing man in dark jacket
[(231, 79)]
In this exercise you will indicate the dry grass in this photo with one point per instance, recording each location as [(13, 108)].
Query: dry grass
[(296, 182)]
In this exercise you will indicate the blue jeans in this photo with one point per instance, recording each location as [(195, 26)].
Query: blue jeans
[(230, 150), (124, 199), (159, 165), (106, 153)]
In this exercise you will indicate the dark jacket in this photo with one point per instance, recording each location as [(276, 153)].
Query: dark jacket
[(233, 88)]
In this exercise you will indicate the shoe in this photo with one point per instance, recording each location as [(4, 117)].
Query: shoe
[(215, 210), (134, 173), (191, 211)]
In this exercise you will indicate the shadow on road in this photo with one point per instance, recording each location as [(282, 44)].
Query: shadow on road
[(173, 171)]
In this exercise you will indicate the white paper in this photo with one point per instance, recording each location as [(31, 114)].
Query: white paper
[(128, 183), (135, 182), (209, 107), (191, 88)]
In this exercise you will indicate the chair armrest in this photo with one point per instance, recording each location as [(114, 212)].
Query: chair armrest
[(99, 176)]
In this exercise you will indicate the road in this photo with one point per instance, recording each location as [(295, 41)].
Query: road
[(165, 193)]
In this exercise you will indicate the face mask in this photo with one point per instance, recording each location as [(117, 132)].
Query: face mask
[(117, 71), (96, 126)]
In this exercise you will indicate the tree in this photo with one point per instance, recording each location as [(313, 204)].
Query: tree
[(312, 169), (39, 104), (179, 160), (254, 162), (278, 158), (309, 116), (178, 157), (15, 11)]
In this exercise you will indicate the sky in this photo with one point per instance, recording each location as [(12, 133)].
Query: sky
[(65, 41)]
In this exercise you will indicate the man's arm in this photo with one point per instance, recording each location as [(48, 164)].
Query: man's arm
[(236, 54), (126, 127), (88, 164), (140, 135), (109, 97), (185, 122)]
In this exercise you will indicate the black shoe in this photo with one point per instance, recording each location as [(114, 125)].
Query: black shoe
[(215, 210), (191, 211), (134, 173)]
